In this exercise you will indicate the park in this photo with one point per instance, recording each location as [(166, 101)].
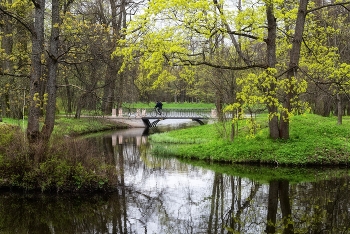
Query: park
[(253, 134)]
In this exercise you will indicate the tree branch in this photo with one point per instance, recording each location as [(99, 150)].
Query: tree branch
[(330, 5), (18, 19), (14, 75), (243, 35), (187, 62)]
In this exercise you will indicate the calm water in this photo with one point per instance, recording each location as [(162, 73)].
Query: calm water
[(167, 196)]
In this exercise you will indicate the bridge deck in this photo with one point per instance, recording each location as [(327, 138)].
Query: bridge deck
[(174, 117)]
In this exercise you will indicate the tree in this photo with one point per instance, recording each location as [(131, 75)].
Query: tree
[(36, 87), (14, 58), (37, 33), (293, 68), (267, 72), (52, 62), (327, 65)]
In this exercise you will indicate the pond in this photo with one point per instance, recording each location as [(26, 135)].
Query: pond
[(166, 195)]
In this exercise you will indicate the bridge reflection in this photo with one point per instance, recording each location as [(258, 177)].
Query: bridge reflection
[(137, 136)]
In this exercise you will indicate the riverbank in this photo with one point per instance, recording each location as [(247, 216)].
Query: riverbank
[(75, 127), (69, 126), (314, 140)]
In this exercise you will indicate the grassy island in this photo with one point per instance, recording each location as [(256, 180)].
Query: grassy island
[(314, 140)]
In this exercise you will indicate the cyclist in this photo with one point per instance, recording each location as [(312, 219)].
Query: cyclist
[(158, 107)]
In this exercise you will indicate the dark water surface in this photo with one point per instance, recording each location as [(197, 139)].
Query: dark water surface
[(168, 196)]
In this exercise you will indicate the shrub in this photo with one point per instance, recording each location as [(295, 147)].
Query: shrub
[(70, 165), (7, 133)]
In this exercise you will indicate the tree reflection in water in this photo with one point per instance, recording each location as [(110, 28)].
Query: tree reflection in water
[(165, 196)]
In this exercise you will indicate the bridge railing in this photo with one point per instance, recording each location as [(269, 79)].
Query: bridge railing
[(149, 112), (183, 113)]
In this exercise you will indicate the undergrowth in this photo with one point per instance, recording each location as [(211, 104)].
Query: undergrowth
[(69, 165)]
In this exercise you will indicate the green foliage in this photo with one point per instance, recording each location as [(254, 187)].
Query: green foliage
[(53, 173), (71, 166), (6, 134), (199, 25), (168, 44), (314, 140)]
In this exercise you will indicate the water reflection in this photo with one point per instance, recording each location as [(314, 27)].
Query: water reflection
[(166, 196)]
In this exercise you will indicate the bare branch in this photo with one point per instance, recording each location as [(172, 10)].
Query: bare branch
[(187, 62), (243, 35), (18, 19), (233, 39), (14, 75), (330, 5)]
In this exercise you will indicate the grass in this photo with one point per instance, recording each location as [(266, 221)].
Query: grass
[(16, 122), (70, 126), (314, 140), (73, 127)]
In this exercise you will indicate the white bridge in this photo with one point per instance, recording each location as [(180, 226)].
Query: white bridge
[(150, 118)]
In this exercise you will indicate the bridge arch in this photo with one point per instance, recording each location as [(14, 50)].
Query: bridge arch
[(151, 124)]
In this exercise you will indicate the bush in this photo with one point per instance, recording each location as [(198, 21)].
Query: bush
[(70, 165), (7, 133)]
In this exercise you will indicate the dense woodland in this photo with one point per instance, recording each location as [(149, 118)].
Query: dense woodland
[(281, 56)]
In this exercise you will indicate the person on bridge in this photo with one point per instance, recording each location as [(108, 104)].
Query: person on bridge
[(158, 107)]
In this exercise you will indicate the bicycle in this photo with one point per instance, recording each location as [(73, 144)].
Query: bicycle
[(158, 112)]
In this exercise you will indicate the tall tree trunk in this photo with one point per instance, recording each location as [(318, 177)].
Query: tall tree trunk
[(80, 105), (271, 62), (118, 23), (69, 95), (110, 80), (36, 71), (120, 88), (219, 106), (340, 109), (52, 69), (293, 67)]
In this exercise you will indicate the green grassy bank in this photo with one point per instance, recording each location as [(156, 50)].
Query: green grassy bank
[(314, 140), (72, 127)]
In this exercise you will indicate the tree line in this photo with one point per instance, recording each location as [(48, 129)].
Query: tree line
[(282, 56)]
